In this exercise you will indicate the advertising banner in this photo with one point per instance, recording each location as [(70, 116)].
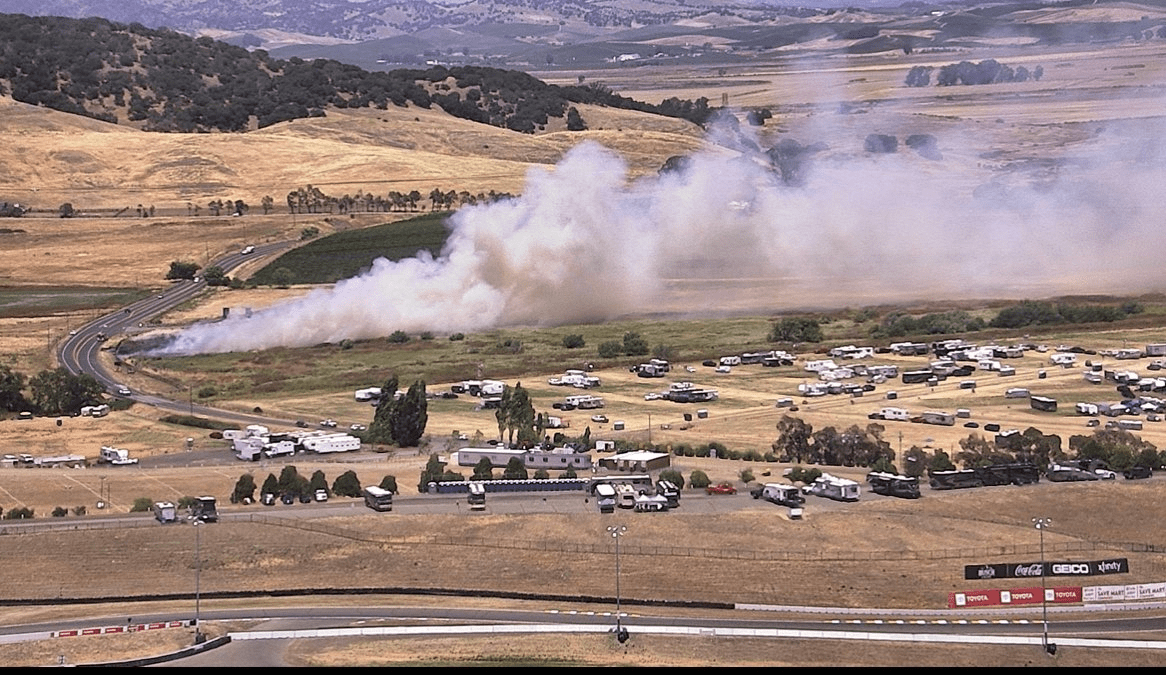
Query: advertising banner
[(996, 597), (1051, 568)]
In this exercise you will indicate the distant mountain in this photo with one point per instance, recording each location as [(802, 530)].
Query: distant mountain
[(547, 34), (161, 80)]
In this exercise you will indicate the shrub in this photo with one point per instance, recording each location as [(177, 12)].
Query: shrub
[(398, 337), (673, 476), (699, 479), (457, 336), (746, 476), (19, 513), (573, 341), (79, 510), (207, 392), (142, 504), (347, 484), (610, 349), (389, 483), (60, 512)]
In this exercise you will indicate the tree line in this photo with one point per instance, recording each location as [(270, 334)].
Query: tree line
[(988, 71), (167, 81), (49, 392)]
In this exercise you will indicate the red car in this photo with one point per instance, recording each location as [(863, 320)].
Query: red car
[(721, 489)]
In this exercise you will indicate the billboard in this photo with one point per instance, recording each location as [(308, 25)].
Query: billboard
[(998, 597), (1030, 570)]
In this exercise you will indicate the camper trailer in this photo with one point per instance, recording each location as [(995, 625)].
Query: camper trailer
[(779, 493), (605, 497), (165, 512)]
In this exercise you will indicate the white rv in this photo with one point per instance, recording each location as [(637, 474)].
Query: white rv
[(833, 487), (626, 495), (605, 497), (115, 456)]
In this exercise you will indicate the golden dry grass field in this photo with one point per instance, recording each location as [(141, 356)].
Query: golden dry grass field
[(50, 158)]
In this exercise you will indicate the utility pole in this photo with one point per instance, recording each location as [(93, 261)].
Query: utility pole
[(1041, 524), (617, 532)]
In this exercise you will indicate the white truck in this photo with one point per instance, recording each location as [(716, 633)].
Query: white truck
[(115, 456)]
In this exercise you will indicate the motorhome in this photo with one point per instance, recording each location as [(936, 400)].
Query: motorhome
[(331, 443), (205, 510), (891, 413), (377, 498), (165, 512), (626, 495), (477, 498), (115, 456), (669, 491), (834, 487), (605, 497), (893, 485)]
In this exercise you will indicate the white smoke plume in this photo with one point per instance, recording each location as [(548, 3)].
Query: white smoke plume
[(584, 243)]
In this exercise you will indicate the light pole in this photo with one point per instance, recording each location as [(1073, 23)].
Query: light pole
[(618, 531), (1041, 524), (197, 579)]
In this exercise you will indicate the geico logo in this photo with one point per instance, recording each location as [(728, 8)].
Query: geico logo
[(1075, 568)]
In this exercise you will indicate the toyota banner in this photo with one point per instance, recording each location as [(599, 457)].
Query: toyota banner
[(1050, 569)]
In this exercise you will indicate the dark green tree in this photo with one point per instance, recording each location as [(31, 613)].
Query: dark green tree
[(673, 476), (289, 480), (182, 270), (515, 469), (699, 479), (215, 276), (410, 416), (381, 429), (483, 470), (270, 485), (432, 473), (244, 489), (59, 392), (941, 462), (318, 481), (793, 441), (389, 483), (11, 390), (346, 484)]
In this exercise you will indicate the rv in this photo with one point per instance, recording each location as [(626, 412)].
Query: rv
[(626, 495), (669, 491), (377, 498), (916, 376), (953, 480), (1043, 403), (371, 394), (833, 487), (477, 498), (778, 493), (1016, 392), (204, 510), (165, 512), (893, 485), (605, 497), (900, 414), (115, 456)]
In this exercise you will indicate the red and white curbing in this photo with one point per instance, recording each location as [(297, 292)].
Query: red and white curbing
[(108, 630)]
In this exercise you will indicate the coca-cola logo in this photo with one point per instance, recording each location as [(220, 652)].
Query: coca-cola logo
[(1029, 570)]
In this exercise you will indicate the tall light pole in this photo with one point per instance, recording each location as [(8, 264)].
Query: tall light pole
[(618, 531), (197, 579), (1041, 524)]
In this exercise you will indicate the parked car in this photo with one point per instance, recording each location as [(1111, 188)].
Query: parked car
[(267, 499), (288, 498), (721, 489), (1135, 472), (602, 419), (357, 427), (321, 495), (305, 498), (301, 423), (331, 424)]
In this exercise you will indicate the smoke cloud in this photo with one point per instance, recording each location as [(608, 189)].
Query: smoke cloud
[(584, 243)]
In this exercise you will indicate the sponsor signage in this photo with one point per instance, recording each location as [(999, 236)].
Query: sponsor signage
[(997, 597), (1030, 570)]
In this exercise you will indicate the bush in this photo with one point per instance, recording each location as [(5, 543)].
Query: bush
[(457, 337), (699, 479), (673, 476), (398, 337), (346, 484), (79, 510), (610, 349), (142, 504), (207, 392), (541, 474), (746, 476), (60, 512), (19, 513), (389, 483), (573, 341)]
